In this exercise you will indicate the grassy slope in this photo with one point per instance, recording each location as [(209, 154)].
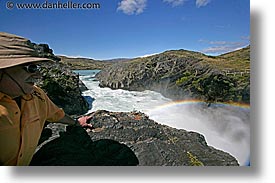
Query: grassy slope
[(234, 61), (84, 63)]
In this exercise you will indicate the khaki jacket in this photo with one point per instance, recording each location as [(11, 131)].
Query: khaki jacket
[(20, 130)]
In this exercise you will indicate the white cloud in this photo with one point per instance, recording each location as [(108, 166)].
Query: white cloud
[(74, 56), (175, 2), (200, 3), (131, 7), (148, 55), (219, 47), (245, 38)]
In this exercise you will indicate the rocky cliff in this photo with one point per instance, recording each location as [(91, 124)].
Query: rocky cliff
[(61, 84), (181, 74)]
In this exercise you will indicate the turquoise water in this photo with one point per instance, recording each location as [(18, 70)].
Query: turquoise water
[(86, 72)]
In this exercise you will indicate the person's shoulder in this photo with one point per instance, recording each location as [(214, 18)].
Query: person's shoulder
[(39, 90)]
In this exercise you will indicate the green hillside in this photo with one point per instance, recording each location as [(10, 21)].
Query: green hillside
[(83, 63)]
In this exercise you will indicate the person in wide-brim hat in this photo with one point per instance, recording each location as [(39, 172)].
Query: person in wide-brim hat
[(16, 50), (18, 53), (24, 107)]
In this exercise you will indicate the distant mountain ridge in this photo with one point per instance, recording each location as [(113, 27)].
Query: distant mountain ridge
[(88, 63), (117, 60), (83, 63)]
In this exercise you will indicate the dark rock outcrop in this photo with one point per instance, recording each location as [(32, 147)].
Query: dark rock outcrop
[(61, 85), (153, 144), (64, 88)]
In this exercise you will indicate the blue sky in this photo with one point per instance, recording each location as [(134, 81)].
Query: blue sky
[(131, 28)]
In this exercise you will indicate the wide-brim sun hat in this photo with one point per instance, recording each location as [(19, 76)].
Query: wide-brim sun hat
[(16, 50)]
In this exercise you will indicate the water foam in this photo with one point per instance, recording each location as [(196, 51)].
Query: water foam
[(225, 126)]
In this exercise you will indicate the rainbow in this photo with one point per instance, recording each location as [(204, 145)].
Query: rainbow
[(201, 102)]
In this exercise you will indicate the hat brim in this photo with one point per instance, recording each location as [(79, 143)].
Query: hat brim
[(10, 62)]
